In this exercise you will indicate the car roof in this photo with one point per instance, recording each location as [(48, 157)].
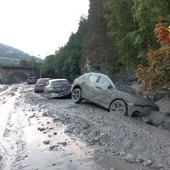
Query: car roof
[(44, 78), (31, 77), (61, 79), (100, 74)]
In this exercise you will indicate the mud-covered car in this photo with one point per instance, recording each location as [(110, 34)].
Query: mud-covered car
[(57, 88), (111, 94), (39, 85), (31, 80)]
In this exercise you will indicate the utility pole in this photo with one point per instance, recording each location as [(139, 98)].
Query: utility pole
[(32, 63), (40, 65)]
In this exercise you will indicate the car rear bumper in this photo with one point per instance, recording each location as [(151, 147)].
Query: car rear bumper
[(60, 94), (39, 88)]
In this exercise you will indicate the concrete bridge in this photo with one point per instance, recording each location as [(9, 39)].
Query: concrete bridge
[(11, 73)]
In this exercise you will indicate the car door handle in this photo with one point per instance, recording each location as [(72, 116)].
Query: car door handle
[(98, 87)]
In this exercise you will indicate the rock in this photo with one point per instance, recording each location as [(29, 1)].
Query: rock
[(147, 163), (32, 115), (91, 142), (62, 143), (68, 130), (96, 139), (166, 124), (155, 118), (53, 147), (46, 142), (130, 158), (85, 126), (1, 157), (41, 129), (139, 160), (102, 134), (122, 154), (55, 133), (160, 166), (45, 114)]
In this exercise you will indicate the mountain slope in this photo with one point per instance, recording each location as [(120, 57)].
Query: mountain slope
[(10, 55)]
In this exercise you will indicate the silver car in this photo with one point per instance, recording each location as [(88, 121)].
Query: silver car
[(57, 88), (111, 94), (31, 80)]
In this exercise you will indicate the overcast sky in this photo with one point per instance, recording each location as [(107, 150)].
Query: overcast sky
[(39, 27)]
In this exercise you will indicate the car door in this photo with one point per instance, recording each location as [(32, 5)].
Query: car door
[(88, 87), (103, 90), (46, 87)]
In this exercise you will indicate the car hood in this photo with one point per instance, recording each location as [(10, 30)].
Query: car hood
[(138, 100)]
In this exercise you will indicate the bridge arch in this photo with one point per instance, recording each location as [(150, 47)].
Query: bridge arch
[(17, 73), (16, 77)]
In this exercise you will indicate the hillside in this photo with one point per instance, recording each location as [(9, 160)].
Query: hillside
[(10, 55)]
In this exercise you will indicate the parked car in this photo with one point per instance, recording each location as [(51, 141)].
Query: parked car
[(57, 88), (39, 85), (111, 94), (31, 80)]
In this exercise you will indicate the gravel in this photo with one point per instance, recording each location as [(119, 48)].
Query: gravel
[(131, 139)]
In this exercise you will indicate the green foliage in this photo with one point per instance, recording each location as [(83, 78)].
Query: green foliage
[(65, 63), (98, 47), (115, 36), (131, 22), (26, 63), (121, 23), (48, 66), (157, 72)]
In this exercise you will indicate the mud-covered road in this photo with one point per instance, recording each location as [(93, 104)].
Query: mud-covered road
[(41, 134)]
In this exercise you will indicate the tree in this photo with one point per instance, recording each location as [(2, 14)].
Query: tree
[(48, 66), (27, 62), (65, 63), (98, 47), (157, 71)]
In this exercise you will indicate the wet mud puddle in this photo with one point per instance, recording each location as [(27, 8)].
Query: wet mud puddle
[(49, 148), (31, 141)]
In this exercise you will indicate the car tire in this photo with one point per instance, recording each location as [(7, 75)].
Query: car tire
[(118, 106), (76, 95)]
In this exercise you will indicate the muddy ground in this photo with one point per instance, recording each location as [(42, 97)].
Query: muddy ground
[(37, 133)]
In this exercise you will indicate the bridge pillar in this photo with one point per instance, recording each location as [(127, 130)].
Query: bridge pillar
[(1, 75)]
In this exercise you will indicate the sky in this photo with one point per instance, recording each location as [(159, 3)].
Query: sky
[(39, 27)]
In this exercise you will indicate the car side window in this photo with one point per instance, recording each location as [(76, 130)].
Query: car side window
[(93, 78), (104, 81)]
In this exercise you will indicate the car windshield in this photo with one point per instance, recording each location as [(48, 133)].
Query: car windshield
[(43, 81), (31, 78), (122, 86), (60, 82)]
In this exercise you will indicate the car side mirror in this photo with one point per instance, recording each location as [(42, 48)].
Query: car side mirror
[(110, 86)]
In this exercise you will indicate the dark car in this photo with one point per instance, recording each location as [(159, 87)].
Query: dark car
[(39, 85), (31, 80), (57, 88), (111, 94)]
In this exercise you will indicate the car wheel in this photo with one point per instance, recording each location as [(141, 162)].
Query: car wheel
[(118, 106), (76, 95)]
